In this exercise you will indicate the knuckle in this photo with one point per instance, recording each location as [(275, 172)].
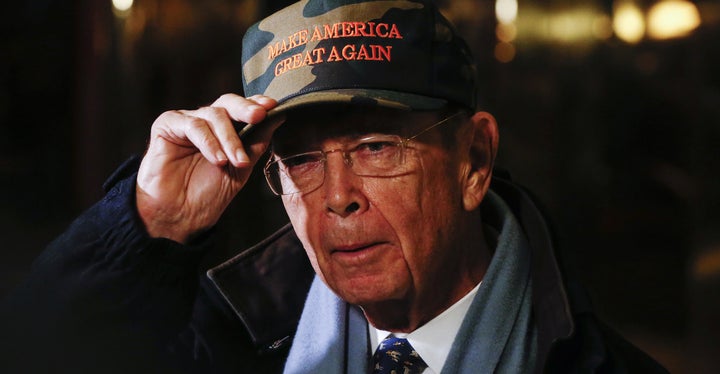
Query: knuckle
[(196, 124), (166, 117), (217, 112), (225, 99), (166, 121), (227, 96), (214, 114)]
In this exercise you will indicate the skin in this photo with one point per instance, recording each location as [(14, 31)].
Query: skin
[(196, 164), (403, 248)]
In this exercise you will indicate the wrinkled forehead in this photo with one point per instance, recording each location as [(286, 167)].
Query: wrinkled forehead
[(307, 127)]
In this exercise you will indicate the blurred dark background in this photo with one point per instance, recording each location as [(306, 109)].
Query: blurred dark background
[(609, 112)]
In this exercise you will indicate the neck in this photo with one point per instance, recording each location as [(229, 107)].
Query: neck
[(460, 275)]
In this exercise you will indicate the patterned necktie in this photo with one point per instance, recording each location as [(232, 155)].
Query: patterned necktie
[(397, 356)]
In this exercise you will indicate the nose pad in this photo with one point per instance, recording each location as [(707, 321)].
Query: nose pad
[(347, 158)]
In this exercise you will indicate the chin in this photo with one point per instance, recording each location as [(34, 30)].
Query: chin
[(367, 292)]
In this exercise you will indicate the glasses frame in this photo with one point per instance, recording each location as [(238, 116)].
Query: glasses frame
[(402, 143)]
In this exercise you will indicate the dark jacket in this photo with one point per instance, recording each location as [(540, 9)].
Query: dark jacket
[(106, 298)]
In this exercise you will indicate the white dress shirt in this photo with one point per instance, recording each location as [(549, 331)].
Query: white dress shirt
[(433, 340)]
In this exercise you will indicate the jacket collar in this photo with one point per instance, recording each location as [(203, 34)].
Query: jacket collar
[(266, 287)]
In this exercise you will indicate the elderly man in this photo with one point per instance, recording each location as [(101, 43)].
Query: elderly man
[(403, 254)]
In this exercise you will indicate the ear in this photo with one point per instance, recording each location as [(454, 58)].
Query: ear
[(483, 137)]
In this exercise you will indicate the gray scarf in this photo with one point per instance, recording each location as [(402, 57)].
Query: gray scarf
[(496, 336)]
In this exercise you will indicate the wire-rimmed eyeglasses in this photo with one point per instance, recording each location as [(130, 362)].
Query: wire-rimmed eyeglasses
[(372, 156)]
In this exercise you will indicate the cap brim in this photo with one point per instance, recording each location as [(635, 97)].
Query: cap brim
[(353, 96), (361, 97)]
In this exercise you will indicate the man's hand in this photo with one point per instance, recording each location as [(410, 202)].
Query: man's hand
[(196, 164)]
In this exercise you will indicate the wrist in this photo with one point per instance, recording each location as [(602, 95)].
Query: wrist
[(159, 223)]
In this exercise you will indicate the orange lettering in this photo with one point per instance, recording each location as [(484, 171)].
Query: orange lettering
[(318, 52), (297, 60), (316, 36), (381, 53), (303, 37), (334, 55), (381, 33), (308, 59), (348, 55), (371, 28), (273, 52), (282, 67), (291, 41), (362, 53), (394, 32), (331, 32), (347, 29), (360, 29)]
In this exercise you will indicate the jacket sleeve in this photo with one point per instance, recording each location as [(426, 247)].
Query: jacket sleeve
[(103, 296)]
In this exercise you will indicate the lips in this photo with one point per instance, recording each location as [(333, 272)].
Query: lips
[(352, 247), (359, 254)]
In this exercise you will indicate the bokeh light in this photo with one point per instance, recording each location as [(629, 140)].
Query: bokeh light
[(629, 22), (672, 19), (122, 5)]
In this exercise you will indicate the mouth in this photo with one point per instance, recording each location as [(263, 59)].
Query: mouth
[(361, 259), (358, 256), (353, 248)]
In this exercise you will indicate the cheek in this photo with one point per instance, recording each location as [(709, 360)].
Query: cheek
[(296, 211), (299, 215), (434, 201), (401, 204)]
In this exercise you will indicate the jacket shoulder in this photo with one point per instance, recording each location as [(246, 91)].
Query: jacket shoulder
[(596, 348)]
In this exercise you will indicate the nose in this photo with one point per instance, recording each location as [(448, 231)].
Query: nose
[(343, 189)]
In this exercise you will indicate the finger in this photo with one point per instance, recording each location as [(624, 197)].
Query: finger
[(260, 132), (248, 110), (220, 124), (252, 111), (265, 102), (184, 130)]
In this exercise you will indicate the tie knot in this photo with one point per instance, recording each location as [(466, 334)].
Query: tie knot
[(396, 355)]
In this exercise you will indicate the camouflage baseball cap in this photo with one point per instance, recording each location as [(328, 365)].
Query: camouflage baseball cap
[(397, 54)]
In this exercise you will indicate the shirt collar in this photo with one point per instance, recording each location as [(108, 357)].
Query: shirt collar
[(433, 340)]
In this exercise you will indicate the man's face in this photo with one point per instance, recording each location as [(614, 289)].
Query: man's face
[(377, 239)]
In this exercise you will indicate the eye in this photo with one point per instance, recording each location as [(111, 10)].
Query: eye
[(300, 160), (376, 147)]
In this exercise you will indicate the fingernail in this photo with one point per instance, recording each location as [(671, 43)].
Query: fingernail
[(220, 156), (263, 100), (241, 157)]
